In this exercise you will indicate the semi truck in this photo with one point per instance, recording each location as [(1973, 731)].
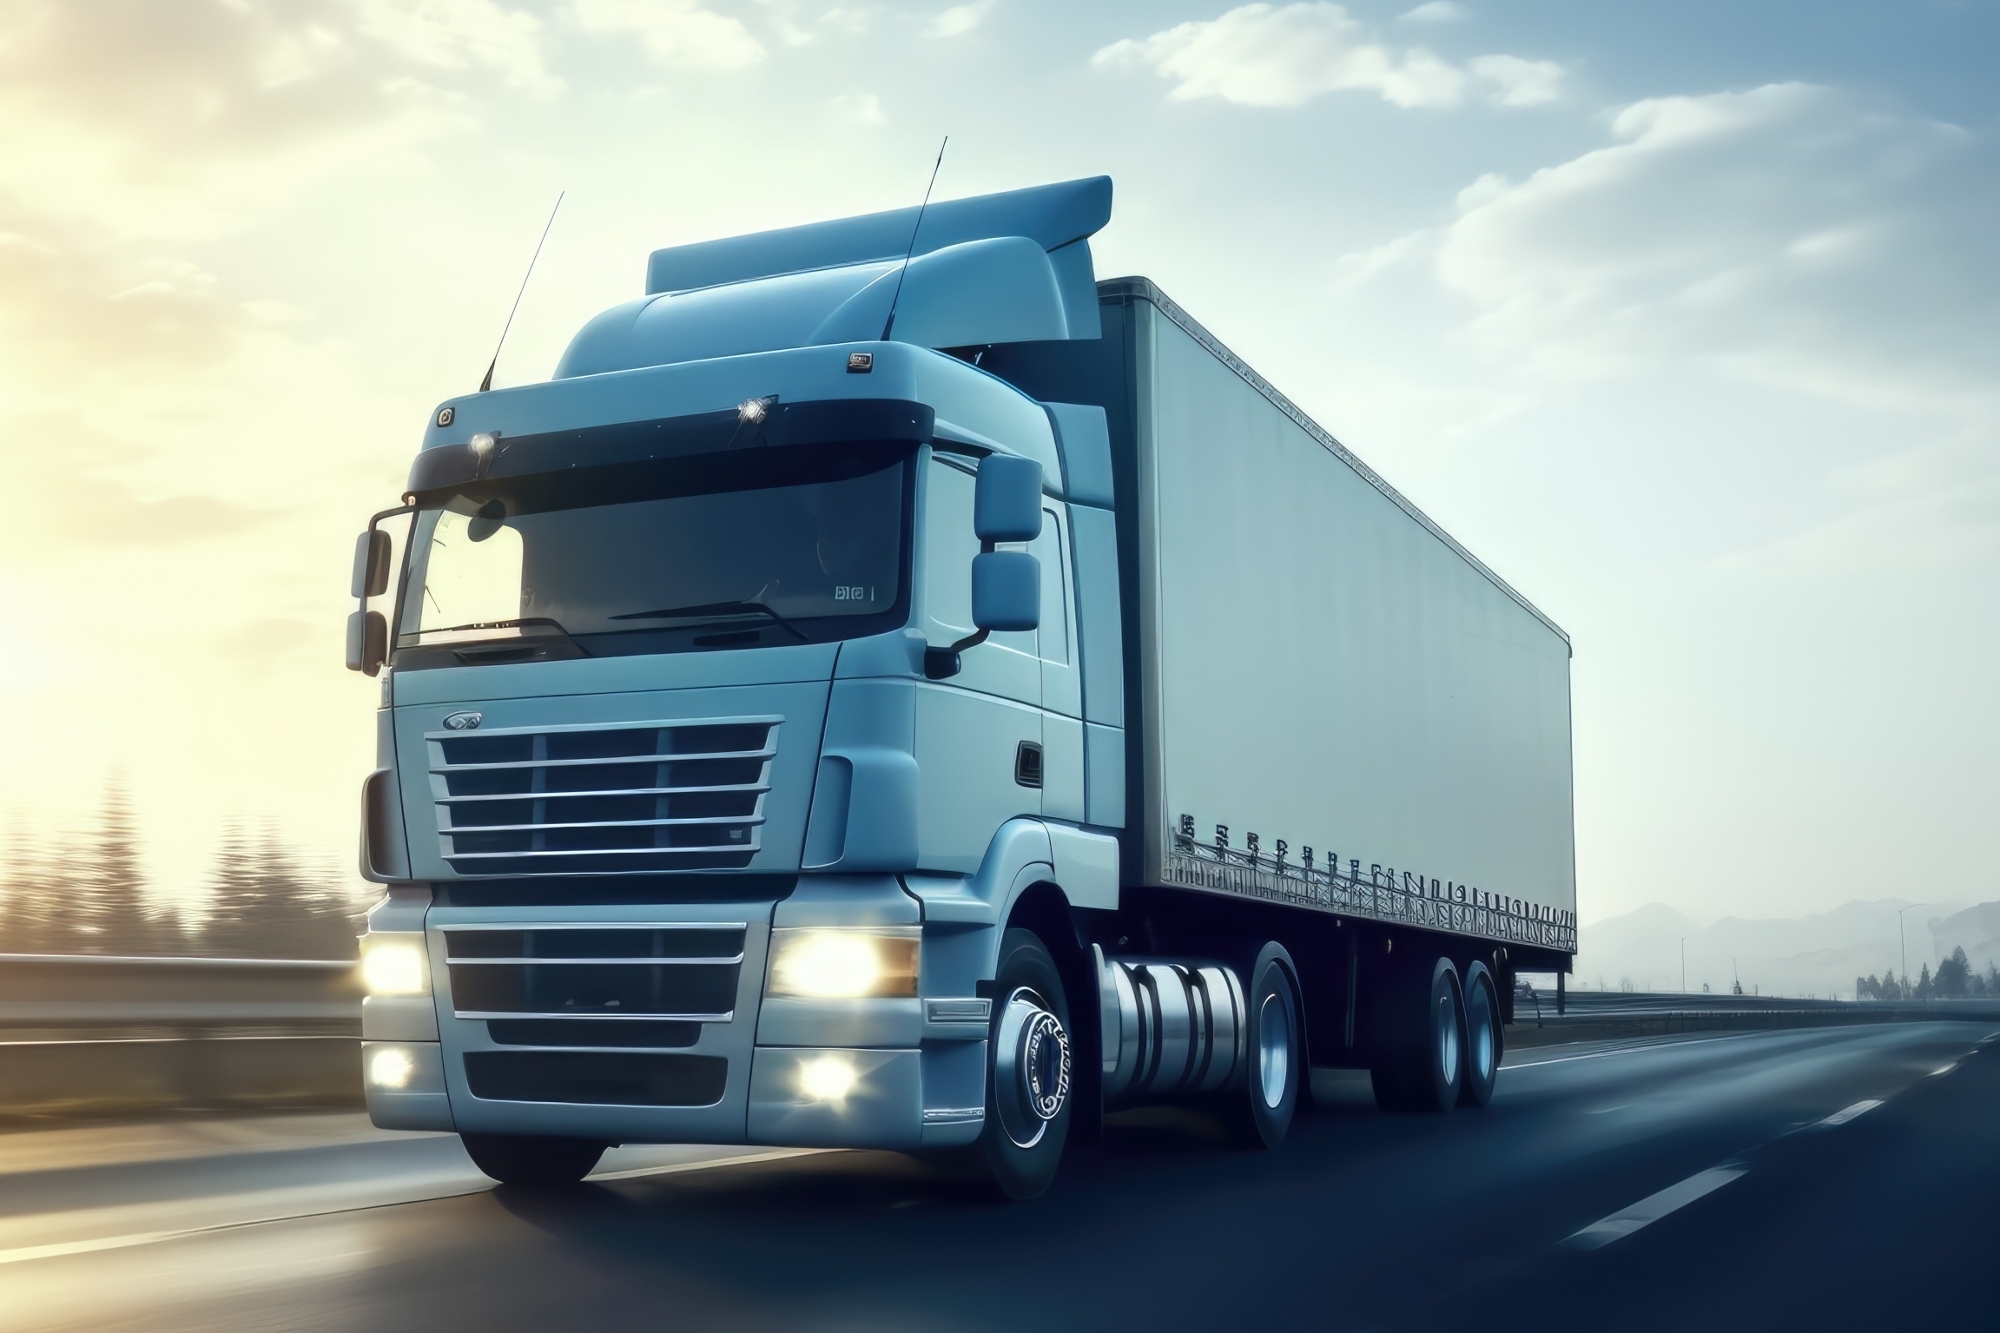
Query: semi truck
[(891, 689)]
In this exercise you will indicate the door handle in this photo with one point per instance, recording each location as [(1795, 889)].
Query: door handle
[(1028, 764)]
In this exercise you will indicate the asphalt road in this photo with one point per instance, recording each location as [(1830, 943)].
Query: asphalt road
[(1829, 1178)]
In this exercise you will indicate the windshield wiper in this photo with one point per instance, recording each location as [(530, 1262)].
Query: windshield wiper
[(716, 611), (525, 622)]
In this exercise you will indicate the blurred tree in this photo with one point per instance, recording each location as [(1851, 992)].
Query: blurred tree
[(263, 903), (1925, 989), (110, 909), (1954, 976)]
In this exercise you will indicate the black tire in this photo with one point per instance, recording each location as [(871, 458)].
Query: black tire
[(1482, 1036), (1265, 1096), (1029, 1067), (1421, 1065), (532, 1159)]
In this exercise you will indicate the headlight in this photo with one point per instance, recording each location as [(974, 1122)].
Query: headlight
[(844, 964), (394, 964)]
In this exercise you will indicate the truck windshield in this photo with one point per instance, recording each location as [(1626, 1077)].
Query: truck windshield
[(761, 547)]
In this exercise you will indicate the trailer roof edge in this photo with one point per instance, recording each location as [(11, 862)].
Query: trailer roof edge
[(1145, 289)]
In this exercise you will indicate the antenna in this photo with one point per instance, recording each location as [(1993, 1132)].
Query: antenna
[(890, 322), (486, 384)]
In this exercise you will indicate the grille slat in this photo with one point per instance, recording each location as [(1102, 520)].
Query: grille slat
[(660, 795)]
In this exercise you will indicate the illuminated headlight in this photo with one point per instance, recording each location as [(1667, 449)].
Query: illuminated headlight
[(844, 964), (826, 1079), (391, 1067), (394, 964)]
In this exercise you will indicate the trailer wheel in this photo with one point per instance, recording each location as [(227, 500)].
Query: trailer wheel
[(1423, 1067), (1261, 1105), (532, 1159), (1028, 1071), (1482, 1036)]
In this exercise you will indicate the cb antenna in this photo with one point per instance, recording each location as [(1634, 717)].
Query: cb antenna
[(486, 384), (890, 322)]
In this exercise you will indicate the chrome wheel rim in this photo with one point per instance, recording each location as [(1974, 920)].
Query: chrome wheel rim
[(1031, 1068), (1447, 1041), (1274, 1049)]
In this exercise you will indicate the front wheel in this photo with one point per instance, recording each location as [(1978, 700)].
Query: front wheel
[(1028, 1071), (532, 1159)]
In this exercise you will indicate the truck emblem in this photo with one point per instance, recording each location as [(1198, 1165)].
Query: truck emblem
[(463, 721), (445, 415)]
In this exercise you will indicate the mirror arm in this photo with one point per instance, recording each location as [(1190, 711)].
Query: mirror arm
[(943, 663)]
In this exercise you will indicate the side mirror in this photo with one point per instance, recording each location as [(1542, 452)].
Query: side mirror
[(367, 641), (371, 564), (1007, 587), (1007, 501)]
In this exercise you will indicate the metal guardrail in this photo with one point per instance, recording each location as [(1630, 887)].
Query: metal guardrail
[(1532, 1001), (86, 993)]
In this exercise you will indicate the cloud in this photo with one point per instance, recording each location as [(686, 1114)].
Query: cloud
[(157, 86), (1513, 81), (81, 299), (1791, 231), (959, 19), (675, 32), (1258, 55), (1436, 11)]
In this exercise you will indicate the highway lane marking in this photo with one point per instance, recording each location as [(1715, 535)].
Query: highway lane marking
[(1846, 1114), (1653, 1207), (1634, 1050), (29, 1253)]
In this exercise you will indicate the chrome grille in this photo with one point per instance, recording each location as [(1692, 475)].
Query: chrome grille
[(637, 796), (597, 972)]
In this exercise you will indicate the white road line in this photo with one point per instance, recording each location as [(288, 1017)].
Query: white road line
[(1841, 1117), (29, 1253), (1632, 1050), (1652, 1208)]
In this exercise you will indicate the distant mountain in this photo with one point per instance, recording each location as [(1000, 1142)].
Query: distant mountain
[(1812, 955)]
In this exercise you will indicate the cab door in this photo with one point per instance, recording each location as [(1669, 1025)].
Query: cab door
[(974, 731)]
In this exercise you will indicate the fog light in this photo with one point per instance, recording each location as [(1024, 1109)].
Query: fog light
[(394, 964), (844, 964), (391, 1067), (828, 1078)]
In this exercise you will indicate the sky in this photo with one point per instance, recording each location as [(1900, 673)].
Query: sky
[(1685, 318)]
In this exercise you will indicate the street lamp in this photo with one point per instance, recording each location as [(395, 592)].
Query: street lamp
[(1903, 939)]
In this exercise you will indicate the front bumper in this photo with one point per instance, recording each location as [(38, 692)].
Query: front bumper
[(792, 1073)]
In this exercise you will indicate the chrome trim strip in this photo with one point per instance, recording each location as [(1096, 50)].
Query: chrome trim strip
[(483, 1016), (597, 925), (593, 962), (665, 724)]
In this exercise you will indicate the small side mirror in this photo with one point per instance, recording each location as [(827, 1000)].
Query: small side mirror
[(367, 642), (371, 563), (1007, 499), (1007, 588)]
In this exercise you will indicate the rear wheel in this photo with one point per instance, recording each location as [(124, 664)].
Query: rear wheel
[(1029, 1068), (1266, 1095), (532, 1159), (1422, 1067), (1482, 1036)]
